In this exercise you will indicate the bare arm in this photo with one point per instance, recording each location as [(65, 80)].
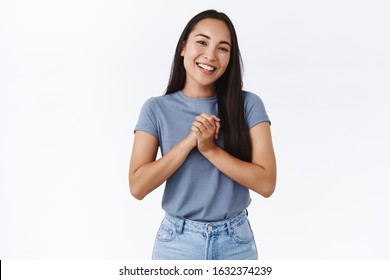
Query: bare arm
[(258, 175), (146, 173)]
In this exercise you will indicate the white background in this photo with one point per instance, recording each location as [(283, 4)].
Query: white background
[(74, 75)]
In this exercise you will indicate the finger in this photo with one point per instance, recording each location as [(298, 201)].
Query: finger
[(216, 118), (207, 122), (218, 125), (209, 117), (196, 130), (199, 126)]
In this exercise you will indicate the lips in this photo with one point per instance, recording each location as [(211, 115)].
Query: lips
[(206, 67)]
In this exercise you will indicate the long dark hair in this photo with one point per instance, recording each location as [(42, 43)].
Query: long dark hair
[(228, 89)]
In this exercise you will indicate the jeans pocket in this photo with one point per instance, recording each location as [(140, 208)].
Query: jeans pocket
[(242, 233), (166, 232)]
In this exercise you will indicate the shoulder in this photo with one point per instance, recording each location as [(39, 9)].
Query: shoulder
[(252, 100), (250, 97), (155, 101), (254, 109)]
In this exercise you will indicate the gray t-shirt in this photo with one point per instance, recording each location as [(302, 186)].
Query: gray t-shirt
[(197, 190)]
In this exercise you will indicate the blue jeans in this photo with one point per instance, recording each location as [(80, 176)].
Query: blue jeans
[(183, 239)]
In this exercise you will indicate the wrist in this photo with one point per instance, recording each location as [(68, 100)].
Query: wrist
[(188, 143), (208, 153)]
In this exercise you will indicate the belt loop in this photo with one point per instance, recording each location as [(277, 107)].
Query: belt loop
[(180, 225), (229, 228)]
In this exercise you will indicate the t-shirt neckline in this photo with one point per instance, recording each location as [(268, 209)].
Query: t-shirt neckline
[(197, 100)]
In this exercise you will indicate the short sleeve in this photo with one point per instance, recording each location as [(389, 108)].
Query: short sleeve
[(147, 119), (255, 112)]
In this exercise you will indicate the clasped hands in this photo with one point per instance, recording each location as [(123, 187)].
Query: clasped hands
[(204, 132)]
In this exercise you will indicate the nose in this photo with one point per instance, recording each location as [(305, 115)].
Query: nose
[(209, 54)]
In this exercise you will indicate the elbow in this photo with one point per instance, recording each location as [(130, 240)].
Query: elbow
[(270, 184), (135, 190), (265, 182), (268, 192), (136, 193), (268, 188)]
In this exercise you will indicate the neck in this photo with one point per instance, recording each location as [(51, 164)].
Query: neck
[(199, 91)]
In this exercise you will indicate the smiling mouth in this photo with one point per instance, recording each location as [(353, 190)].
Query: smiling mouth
[(205, 67)]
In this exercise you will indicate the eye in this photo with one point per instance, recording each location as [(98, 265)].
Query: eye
[(203, 43), (223, 49)]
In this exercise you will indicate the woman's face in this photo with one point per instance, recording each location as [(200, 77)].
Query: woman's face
[(206, 53)]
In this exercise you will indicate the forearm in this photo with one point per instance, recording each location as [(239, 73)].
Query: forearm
[(250, 175), (151, 175)]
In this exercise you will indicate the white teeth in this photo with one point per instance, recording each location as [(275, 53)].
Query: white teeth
[(206, 67)]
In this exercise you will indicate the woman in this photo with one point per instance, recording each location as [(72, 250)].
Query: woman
[(215, 143)]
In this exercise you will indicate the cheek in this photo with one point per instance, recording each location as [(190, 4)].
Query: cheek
[(187, 63), (190, 56), (225, 63), (193, 54)]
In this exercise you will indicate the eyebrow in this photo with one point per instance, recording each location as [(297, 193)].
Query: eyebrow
[(208, 37)]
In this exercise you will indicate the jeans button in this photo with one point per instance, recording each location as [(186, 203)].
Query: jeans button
[(209, 228)]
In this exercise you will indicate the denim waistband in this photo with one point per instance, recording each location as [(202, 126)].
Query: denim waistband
[(216, 227)]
